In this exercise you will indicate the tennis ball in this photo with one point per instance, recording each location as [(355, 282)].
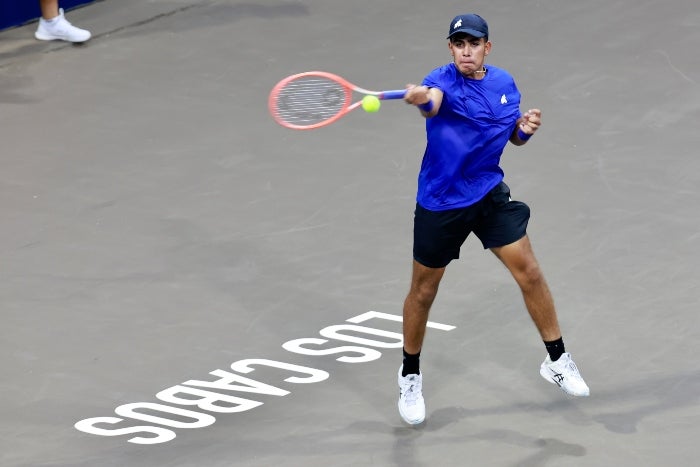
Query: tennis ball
[(371, 104)]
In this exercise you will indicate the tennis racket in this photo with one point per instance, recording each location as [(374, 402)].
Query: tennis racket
[(316, 98)]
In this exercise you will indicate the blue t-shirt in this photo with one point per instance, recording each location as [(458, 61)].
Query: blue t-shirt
[(467, 137)]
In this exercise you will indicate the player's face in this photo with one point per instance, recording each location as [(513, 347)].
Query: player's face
[(469, 54)]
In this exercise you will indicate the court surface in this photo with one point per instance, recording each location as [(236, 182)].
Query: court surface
[(161, 232)]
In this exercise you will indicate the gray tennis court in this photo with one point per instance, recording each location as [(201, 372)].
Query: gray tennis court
[(186, 283)]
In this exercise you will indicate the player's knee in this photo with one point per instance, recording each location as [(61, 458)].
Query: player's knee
[(424, 294), (530, 275)]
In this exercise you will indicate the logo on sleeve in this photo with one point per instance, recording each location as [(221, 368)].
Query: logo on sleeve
[(503, 99)]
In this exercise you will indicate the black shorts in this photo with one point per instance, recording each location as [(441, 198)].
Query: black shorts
[(496, 220)]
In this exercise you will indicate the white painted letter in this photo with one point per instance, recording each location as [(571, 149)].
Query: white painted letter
[(333, 332), (88, 426), (249, 385), (366, 355), (129, 411), (315, 375), (206, 400)]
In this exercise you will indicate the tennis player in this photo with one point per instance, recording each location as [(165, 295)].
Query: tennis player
[(472, 111)]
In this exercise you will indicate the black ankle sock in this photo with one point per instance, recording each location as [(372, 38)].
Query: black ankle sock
[(411, 363), (555, 348)]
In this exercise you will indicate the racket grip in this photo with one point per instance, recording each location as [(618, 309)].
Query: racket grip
[(397, 94)]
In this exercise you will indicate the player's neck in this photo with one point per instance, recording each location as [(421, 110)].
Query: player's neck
[(478, 74)]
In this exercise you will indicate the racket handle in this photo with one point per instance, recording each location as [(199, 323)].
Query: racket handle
[(397, 94)]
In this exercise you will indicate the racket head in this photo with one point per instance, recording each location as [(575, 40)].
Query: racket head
[(309, 100)]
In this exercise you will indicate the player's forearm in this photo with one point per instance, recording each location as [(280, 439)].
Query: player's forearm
[(519, 137)]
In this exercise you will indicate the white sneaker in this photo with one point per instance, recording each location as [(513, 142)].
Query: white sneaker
[(564, 374), (60, 29), (411, 403)]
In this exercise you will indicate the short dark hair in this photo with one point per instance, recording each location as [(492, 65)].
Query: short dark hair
[(464, 35)]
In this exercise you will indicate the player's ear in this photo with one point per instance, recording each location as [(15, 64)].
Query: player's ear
[(487, 47)]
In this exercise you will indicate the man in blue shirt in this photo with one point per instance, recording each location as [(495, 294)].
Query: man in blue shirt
[(472, 111)]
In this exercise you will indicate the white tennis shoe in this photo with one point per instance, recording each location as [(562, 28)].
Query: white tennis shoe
[(564, 374), (60, 29), (411, 402)]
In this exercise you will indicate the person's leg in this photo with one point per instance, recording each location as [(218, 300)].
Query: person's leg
[(416, 307), (424, 287), (49, 8), (520, 260)]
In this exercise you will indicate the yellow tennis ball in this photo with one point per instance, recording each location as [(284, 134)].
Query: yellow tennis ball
[(371, 104)]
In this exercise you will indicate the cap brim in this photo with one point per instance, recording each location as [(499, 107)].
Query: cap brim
[(471, 32)]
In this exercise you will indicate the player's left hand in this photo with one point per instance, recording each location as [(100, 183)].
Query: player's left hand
[(531, 121)]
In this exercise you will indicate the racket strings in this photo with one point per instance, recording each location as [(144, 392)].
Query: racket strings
[(310, 100)]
